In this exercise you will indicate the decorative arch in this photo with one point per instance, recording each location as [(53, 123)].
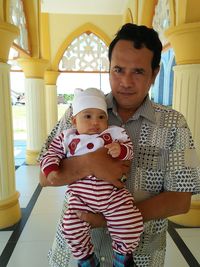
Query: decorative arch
[(163, 87), (17, 16), (128, 16), (88, 27), (161, 20)]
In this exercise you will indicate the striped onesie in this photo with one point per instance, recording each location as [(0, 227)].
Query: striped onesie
[(124, 220)]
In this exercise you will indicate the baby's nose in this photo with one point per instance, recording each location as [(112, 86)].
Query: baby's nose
[(95, 122)]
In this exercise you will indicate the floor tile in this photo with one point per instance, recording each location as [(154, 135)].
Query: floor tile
[(19, 152), (4, 237), (27, 179), (173, 256), (49, 203), (30, 254), (189, 232), (191, 238), (40, 227)]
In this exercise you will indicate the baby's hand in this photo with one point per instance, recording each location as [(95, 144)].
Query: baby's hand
[(52, 176), (114, 149)]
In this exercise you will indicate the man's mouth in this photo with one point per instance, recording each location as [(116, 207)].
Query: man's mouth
[(126, 93)]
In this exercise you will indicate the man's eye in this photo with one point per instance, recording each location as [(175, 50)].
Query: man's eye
[(117, 70), (138, 71)]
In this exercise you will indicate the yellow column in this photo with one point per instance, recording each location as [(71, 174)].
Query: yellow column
[(146, 9), (185, 40), (50, 78), (10, 212), (35, 106)]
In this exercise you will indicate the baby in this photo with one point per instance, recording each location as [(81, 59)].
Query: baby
[(90, 194)]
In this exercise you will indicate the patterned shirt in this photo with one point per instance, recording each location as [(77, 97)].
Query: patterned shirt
[(165, 160)]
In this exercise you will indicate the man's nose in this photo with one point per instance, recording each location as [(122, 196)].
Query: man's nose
[(126, 80)]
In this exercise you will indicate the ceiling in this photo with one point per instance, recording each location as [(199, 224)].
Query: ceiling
[(90, 7)]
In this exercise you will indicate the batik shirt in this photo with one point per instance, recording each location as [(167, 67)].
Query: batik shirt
[(165, 160)]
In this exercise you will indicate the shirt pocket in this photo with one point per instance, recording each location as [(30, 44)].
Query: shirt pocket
[(152, 162), (152, 157)]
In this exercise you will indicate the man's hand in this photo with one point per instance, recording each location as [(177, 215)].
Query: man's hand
[(94, 219), (51, 181), (52, 176), (107, 168), (97, 163)]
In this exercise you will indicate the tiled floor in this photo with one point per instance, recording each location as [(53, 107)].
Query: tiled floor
[(27, 244)]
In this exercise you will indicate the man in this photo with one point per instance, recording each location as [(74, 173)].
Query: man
[(162, 177)]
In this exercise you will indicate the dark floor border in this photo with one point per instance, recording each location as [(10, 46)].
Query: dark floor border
[(187, 254), (18, 228)]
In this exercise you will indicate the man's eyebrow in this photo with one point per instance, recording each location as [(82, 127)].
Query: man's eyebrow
[(140, 70), (117, 66)]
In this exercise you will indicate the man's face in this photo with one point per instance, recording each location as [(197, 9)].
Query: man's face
[(131, 75)]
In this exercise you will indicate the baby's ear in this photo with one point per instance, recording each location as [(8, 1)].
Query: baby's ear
[(73, 120)]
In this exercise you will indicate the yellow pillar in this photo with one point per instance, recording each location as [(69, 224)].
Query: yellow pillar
[(10, 212), (185, 40), (50, 78), (35, 105), (146, 9)]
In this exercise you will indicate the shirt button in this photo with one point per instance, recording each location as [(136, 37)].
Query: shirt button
[(102, 259)]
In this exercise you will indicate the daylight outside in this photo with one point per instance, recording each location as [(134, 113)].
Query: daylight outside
[(66, 84)]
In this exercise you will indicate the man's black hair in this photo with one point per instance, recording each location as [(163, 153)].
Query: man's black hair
[(141, 36)]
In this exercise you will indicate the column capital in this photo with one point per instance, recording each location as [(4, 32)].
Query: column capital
[(33, 67), (185, 40), (50, 77), (8, 32)]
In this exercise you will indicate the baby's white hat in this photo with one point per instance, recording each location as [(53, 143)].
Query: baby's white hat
[(88, 98)]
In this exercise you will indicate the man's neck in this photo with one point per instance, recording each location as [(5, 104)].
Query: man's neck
[(125, 114)]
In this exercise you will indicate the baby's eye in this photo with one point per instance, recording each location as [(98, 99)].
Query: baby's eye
[(87, 116), (102, 117)]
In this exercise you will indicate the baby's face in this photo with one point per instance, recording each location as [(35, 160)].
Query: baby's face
[(91, 121)]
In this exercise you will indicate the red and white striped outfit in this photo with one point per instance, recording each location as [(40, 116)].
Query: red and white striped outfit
[(124, 220)]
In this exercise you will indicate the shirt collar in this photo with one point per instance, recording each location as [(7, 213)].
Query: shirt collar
[(146, 110)]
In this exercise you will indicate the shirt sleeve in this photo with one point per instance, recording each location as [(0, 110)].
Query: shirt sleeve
[(183, 167)]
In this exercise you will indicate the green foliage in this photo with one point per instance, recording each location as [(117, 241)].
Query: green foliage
[(68, 97), (19, 117)]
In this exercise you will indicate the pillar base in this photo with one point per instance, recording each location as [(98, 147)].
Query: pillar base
[(10, 212), (191, 218), (31, 157)]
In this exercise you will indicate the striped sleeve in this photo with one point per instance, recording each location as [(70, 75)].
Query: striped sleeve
[(51, 159), (126, 150)]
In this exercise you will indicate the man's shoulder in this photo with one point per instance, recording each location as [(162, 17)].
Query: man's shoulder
[(166, 110), (167, 116)]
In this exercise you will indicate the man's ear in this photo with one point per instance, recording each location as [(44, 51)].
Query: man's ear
[(155, 73)]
